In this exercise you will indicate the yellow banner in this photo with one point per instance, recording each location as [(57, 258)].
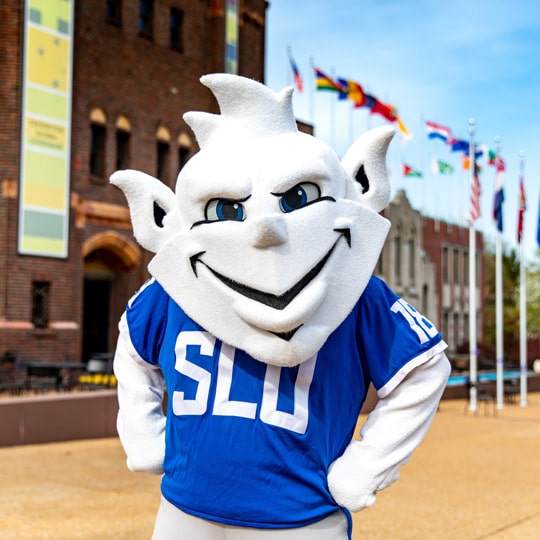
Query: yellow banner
[(46, 128)]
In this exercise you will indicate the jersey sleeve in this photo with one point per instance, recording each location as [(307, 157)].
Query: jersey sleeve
[(394, 337), (145, 320)]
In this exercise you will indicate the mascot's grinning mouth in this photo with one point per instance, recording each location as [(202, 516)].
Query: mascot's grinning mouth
[(275, 301)]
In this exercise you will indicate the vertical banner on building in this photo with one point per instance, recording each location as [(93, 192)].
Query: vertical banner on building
[(46, 128), (231, 36)]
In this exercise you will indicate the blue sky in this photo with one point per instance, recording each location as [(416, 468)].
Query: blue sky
[(444, 62)]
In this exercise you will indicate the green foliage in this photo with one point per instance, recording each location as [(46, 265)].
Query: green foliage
[(511, 293)]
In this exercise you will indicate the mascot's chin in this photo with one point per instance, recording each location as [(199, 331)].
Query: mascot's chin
[(264, 323)]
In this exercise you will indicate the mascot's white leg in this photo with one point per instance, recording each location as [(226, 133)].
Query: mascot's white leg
[(173, 524), (390, 434), (141, 421)]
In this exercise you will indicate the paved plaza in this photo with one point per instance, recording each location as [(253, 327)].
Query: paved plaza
[(474, 477)]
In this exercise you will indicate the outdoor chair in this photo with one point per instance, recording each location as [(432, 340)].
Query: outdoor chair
[(11, 377), (484, 395), (98, 373), (41, 378)]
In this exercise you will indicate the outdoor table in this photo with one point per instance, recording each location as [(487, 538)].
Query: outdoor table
[(51, 370)]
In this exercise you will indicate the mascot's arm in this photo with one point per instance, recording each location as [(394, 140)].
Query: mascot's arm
[(391, 432), (141, 422)]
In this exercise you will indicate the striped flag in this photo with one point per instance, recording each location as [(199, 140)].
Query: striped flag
[(475, 195), (298, 82), (436, 131), (325, 82), (498, 200), (538, 226), (521, 209)]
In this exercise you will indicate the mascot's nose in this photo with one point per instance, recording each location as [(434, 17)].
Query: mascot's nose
[(268, 232)]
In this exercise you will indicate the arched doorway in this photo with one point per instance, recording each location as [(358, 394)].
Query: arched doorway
[(109, 261)]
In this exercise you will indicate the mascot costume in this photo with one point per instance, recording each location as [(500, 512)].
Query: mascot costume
[(264, 325)]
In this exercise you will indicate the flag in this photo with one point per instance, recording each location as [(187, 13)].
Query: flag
[(353, 91), (475, 194), (538, 226), (458, 145), (388, 112), (324, 82), (436, 131), (403, 129), (298, 82), (499, 163), (409, 171), (521, 209), (441, 167), (498, 200)]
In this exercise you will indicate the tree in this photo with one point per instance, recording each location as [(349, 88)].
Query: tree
[(511, 302), (510, 292)]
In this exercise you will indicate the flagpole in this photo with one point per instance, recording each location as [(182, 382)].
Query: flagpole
[(332, 118), (311, 91), (499, 327), (522, 304), (472, 288), (288, 71)]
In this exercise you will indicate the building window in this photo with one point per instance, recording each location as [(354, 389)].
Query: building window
[(162, 168), (445, 264), (457, 273), (445, 324), (183, 156), (176, 19), (123, 138), (146, 18), (456, 331), (466, 267), (122, 149), (397, 257), (97, 150), (40, 303), (184, 149), (412, 260), (113, 12), (425, 297)]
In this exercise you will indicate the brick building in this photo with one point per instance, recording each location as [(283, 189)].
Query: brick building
[(426, 261), (135, 68)]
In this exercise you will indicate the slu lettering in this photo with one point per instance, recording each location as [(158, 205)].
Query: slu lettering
[(418, 323), (296, 421)]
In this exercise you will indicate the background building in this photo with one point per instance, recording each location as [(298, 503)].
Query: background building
[(128, 70), (426, 261)]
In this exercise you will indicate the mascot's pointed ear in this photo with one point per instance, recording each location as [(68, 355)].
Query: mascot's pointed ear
[(152, 206), (365, 162)]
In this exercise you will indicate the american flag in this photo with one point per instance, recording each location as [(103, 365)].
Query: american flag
[(298, 82), (521, 210), (475, 194)]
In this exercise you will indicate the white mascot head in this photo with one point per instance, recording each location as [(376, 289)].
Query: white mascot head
[(269, 240)]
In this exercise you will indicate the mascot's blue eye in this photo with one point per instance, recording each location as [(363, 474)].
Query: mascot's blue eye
[(299, 196), (224, 210)]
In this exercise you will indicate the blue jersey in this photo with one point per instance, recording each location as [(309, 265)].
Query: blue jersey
[(250, 444)]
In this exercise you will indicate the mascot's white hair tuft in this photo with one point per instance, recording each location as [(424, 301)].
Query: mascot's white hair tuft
[(245, 106)]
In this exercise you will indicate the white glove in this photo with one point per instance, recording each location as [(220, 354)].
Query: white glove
[(141, 421), (391, 432)]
